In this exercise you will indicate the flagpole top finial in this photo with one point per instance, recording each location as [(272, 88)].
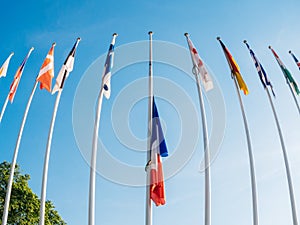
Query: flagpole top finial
[(186, 34), (150, 32), (54, 44), (78, 39), (270, 47), (245, 41), (115, 34), (218, 38), (290, 51)]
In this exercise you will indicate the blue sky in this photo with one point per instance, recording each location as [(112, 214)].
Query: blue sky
[(262, 23)]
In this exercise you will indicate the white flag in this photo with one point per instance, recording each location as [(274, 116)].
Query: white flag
[(107, 67), (66, 68), (4, 67), (199, 65)]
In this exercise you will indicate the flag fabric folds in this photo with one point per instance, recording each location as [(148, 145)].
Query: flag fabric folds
[(260, 70), (17, 78), (47, 70), (295, 59), (158, 150), (4, 67), (235, 70), (65, 70), (107, 68), (200, 67), (286, 72)]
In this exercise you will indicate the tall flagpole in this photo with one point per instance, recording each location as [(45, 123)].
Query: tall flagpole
[(150, 106), (46, 160), (251, 158), (250, 152), (94, 160), (14, 161), (286, 162), (207, 218), (105, 88)]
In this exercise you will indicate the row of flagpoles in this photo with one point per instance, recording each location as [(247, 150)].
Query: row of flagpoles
[(156, 143)]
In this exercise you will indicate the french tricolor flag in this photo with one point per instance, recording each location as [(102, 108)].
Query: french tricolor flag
[(158, 150)]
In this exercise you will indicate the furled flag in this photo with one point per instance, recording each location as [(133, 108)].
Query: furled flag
[(66, 68), (235, 70), (199, 66), (4, 67), (260, 70), (296, 60), (158, 149), (286, 72), (17, 78), (107, 67), (47, 70)]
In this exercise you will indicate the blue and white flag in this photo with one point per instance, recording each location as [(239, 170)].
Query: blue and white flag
[(260, 70), (107, 68)]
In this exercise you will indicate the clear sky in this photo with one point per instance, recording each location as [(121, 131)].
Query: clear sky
[(262, 23)]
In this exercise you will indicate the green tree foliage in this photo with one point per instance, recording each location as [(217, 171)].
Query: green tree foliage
[(24, 204)]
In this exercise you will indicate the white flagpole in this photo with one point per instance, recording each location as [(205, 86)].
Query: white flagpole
[(251, 158), (4, 107), (207, 217), (286, 162), (94, 160), (93, 166), (13, 164), (150, 107), (46, 160)]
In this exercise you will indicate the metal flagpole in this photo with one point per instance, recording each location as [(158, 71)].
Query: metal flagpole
[(4, 107), (150, 106), (46, 161), (13, 164), (207, 218), (94, 161), (251, 158), (286, 162)]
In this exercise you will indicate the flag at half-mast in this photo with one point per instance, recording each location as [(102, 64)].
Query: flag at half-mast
[(235, 69), (66, 68), (4, 67), (260, 70), (286, 72), (158, 150), (17, 78), (200, 67), (295, 59), (106, 76), (47, 70)]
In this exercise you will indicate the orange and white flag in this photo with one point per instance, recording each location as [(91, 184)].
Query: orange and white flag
[(4, 67), (47, 70)]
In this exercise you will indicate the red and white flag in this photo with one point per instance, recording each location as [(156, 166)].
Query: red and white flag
[(47, 70), (200, 67), (17, 78)]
